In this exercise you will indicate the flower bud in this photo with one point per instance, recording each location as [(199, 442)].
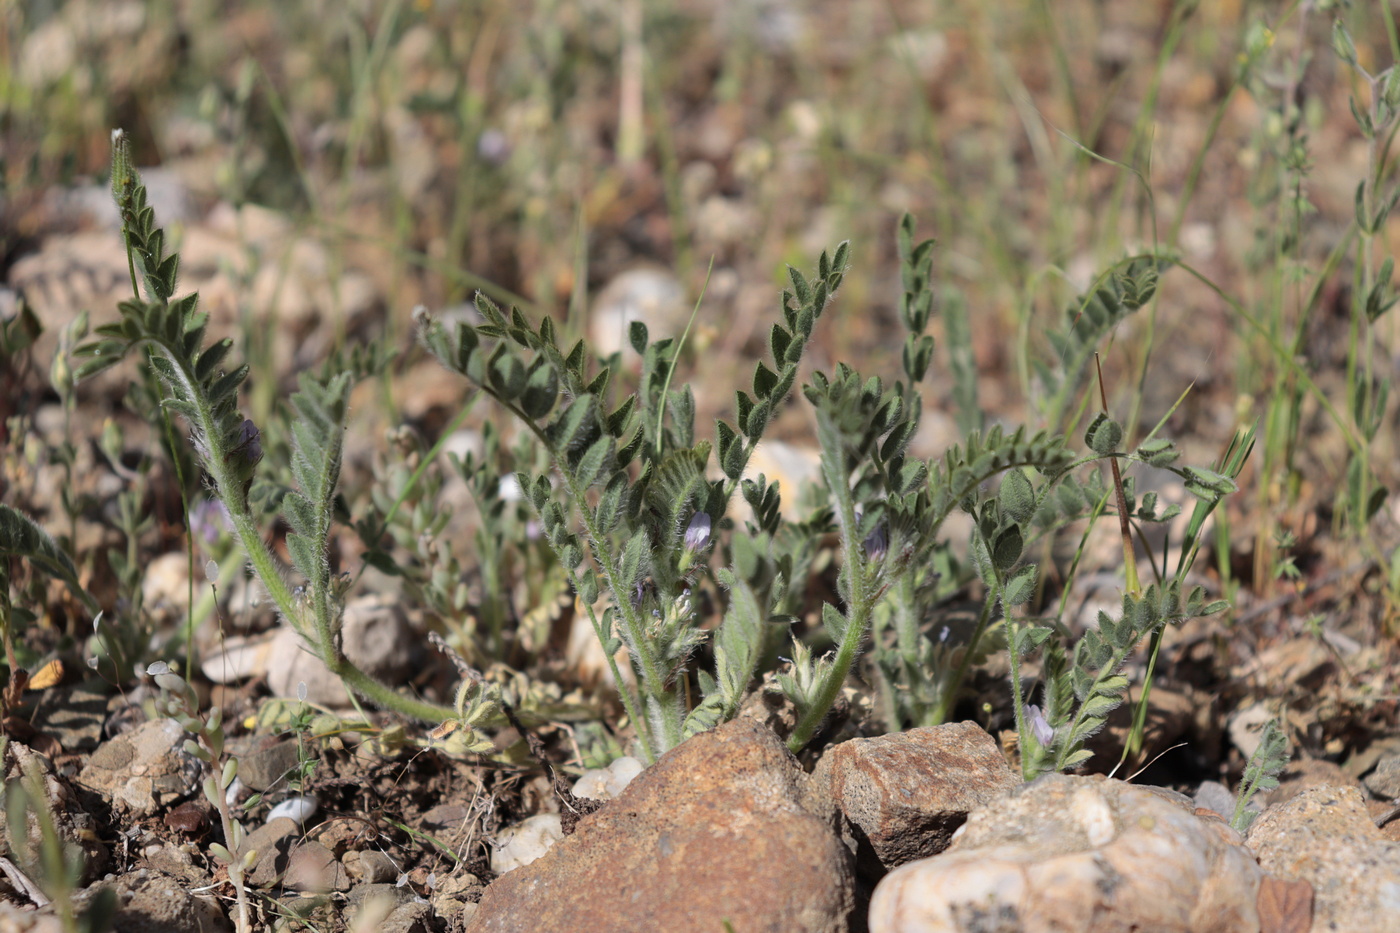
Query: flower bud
[(877, 543)]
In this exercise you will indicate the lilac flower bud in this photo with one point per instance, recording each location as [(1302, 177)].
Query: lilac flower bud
[(1039, 727), (697, 533), (877, 543), (247, 448)]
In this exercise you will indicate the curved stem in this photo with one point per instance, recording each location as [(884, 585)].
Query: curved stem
[(859, 591), (260, 556), (950, 693)]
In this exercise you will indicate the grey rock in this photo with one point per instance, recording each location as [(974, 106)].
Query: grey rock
[(903, 795), (1325, 836), (370, 867), (152, 902), (1076, 853), (413, 917), (273, 843), (1384, 781), (1212, 795), (143, 770), (714, 829), (263, 768)]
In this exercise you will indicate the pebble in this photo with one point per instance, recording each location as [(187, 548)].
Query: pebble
[(607, 783), (376, 636), (519, 845), (298, 809)]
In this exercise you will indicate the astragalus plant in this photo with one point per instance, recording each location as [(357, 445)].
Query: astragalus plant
[(201, 387), (636, 509)]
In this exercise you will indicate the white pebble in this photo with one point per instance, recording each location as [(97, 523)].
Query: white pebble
[(607, 783), (521, 844), (300, 809)]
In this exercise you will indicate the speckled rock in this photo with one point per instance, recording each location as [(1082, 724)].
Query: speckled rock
[(713, 831), (1075, 853), (375, 634), (151, 902), (1384, 781), (143, 770), (901, 796), (78, 827), (1325, 836)]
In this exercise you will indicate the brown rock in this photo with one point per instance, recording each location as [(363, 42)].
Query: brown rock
[(1076, 853), (143, 770), (313, 867), (1304, 774), (151, 902), (1326, 837), (713, 831), (902, 795), (272, 842), (370, 866)]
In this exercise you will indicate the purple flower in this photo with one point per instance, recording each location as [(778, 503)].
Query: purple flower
[(697, 533), (493, 147), (877, 543), (1039, 727), (209, 519)]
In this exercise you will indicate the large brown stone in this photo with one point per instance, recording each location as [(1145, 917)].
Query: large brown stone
[(713, 832), (903, 795)]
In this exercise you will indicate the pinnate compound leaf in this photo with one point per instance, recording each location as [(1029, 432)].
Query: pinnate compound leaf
[(21, 536)]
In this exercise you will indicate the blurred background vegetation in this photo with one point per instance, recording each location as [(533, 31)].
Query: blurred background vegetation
[(540, 150)]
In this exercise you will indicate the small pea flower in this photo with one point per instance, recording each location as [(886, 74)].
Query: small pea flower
[(877, 543), (697, 538), (1039, 727), (697, 533)]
